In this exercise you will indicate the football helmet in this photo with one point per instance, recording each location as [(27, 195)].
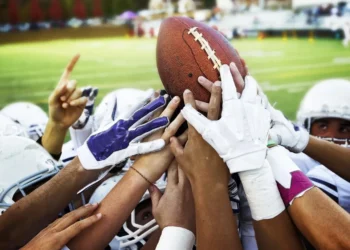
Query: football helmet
[(8, 127), (29, 115), (24, 165), (132, 235), (327, 99)]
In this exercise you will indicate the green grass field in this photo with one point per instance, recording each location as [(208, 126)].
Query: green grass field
[(285, 69)]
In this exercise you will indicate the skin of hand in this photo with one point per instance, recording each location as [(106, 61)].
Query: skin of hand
[(130, 189), (207, 84), (176, 200), (62, 230), (209, 176), (66, 104)]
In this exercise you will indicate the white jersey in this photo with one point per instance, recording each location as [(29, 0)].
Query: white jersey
[(304, 162), (331, 184)]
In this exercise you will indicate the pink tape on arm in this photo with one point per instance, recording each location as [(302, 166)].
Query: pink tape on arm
[(300, 183)]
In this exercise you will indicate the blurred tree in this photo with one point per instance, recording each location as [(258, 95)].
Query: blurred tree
[(97, 8), (55, 11), (209, 3), (13, 12), (67, 7), (79, 9), (36, 14)]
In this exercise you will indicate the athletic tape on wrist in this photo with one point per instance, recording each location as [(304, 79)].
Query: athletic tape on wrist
[(262, 193)]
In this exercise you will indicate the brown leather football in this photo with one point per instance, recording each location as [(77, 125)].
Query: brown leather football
[(187, 49)]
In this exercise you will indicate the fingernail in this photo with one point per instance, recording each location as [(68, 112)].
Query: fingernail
[(187, 91), (176, 99), (218, 84), (201, 79), (64, 105), (95, 204), (88, 205), (232, 64), (99, 215), (63, 98)]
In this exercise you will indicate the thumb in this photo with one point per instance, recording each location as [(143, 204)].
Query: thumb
[(156, 194), (177, 150)]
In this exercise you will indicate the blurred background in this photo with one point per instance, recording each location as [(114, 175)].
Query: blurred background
[(289, 45)]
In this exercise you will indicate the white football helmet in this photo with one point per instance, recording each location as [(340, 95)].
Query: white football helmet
[(126, 99), (327, 99), (29, 115), (132, 235), (8, 127), (23, 165)]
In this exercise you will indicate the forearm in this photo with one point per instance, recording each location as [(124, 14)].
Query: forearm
[(216, 225), (315, 214), (43, 205), (277, 233), (115, 208), (333, 156), (53, 138), (152, 242)]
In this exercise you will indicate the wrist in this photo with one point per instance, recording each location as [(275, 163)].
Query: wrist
[(262, 192), (53, 137)]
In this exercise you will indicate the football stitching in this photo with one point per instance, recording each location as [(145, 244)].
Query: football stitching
[(198, 37)]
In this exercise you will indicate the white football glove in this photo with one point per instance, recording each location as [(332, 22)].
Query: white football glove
[(293, 137), (240, 136)]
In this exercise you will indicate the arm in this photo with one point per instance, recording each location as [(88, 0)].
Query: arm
[(216, 225), (333, 156), (174, 211), (66, 104), (317, 215), (43, 205), (129, 190)]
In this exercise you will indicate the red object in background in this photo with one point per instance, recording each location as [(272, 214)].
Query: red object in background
[(79, 9), (97, 8), (36, 13), (55, 10), (13, 12)]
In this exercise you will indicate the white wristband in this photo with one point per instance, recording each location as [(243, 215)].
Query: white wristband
[(262, 193), (176, 238)]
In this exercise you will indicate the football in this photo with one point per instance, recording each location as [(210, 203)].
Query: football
[(187, 49)]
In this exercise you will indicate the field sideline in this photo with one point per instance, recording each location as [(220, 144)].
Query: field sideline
[(285, 69)]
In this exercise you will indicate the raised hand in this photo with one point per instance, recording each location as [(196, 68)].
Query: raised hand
[(176, 200), (66, 102), (242, 130), (62, 230)]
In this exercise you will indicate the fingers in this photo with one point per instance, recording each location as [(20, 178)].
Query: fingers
[(77, 228), (207, 84), (250, 91), (189, 98), (202, 106), (69, 68), (177, 150), (71, 86), (173, 128), (237, 78), (173, 177), (75, 95), (144, 130), (182, 177), (145, 147), (156, 194), (171, 108), (214, 107), (229, 90), (196, 119), (75, 215), (183, 138), (145, 112), (79, 102)]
